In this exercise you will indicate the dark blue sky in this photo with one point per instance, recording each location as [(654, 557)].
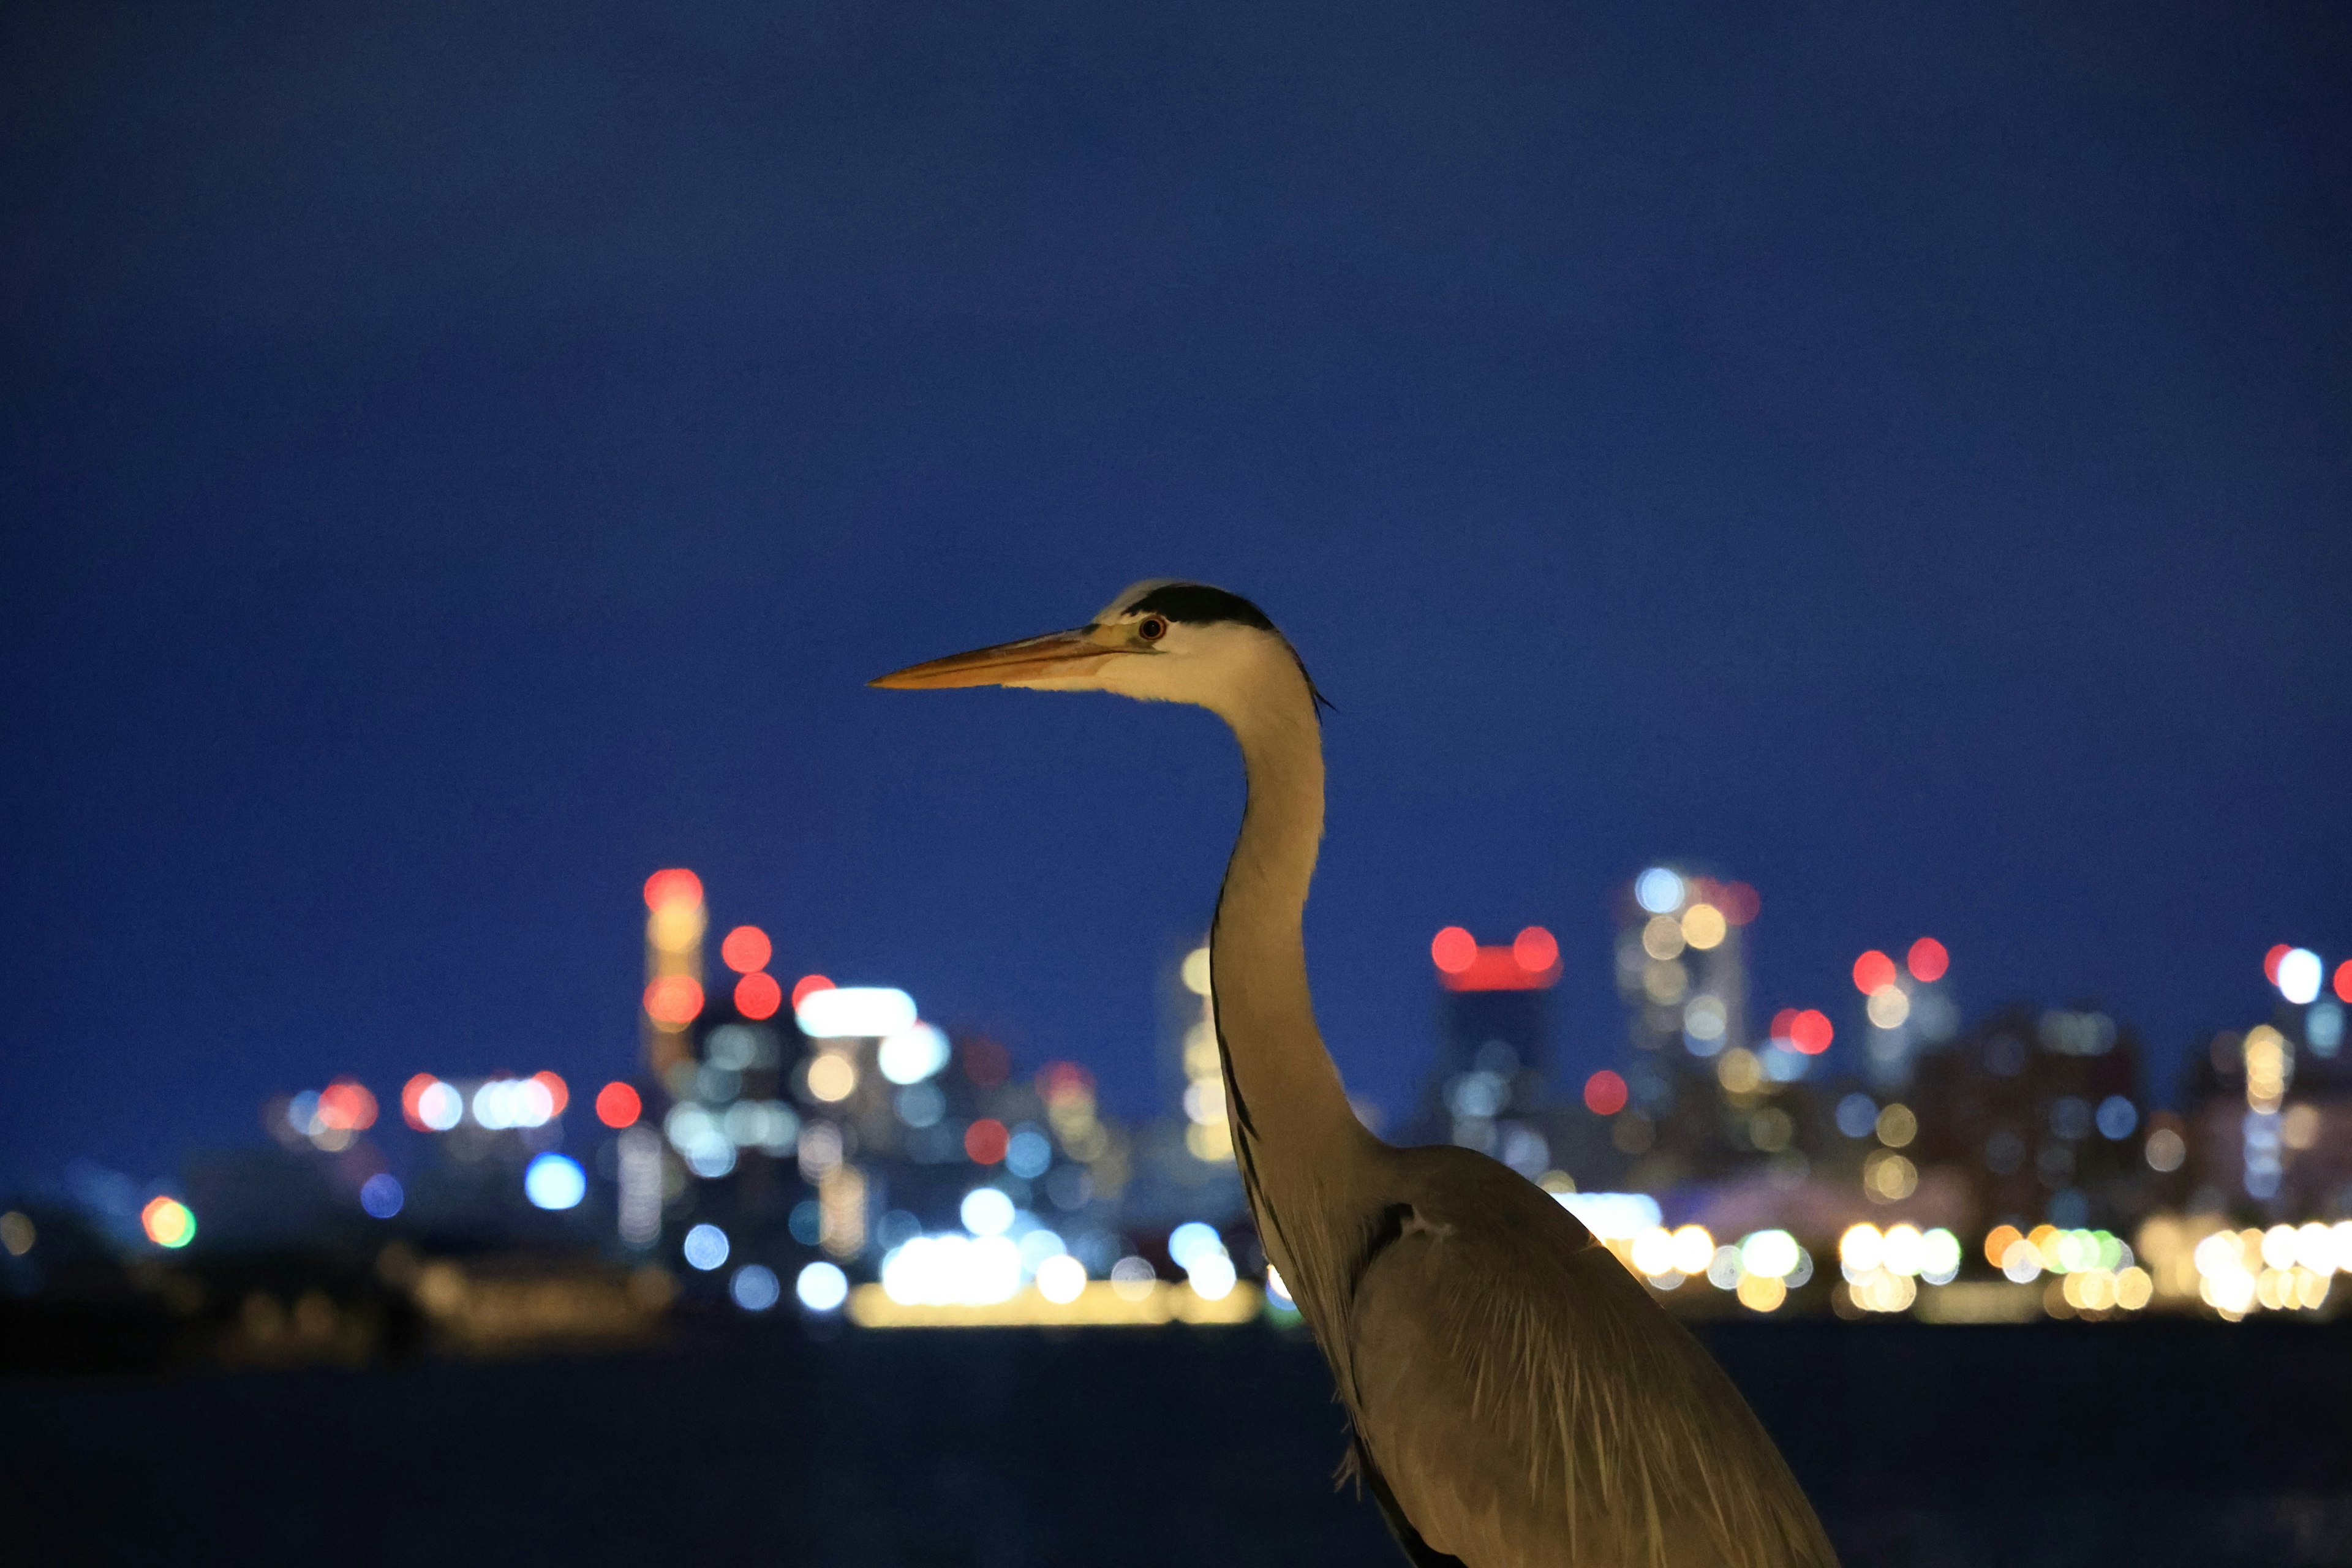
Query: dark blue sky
[(459, 460)]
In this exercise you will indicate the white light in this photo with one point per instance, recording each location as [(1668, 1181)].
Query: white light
[(1613, 1216), (1939, 1257), (1653, 1252), (986, 1211), (1903, 1250), (754, 1288), (505, 1103), (1061, 1279), (1769, 1253), (952, 1270), (1036, 1246), (822, 1288), (1191, 1240), (706, 1246), (440, 1107), (554, 1182), (1693, 1249), (2298, 976), (1213, 1275), (858, 1012), (910, 1056), (1658, 890), (1277, 1290)]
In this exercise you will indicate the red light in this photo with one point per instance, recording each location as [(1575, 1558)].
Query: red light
[(1810, 1032), (985, 1062), (2344, 980), (1453, 949), (985, 1140), (1604, 1093), (2270, 962), (1782, 1022), (675, 885), (747, 948), (1873, 972), (1535, 951), (347, 1105), (559, 1093), (806, 986), (1929, 960), (672, 1000), (758, 996), (411, 1093), (617, 1105), (1061, 1082), (1739, 902)]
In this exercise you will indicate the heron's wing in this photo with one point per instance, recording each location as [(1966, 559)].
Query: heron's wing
[(1527, 1405)]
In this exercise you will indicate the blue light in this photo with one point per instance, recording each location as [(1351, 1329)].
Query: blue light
[(822, 1288), (554, 1182), (2118, 1117), (706, 1246), (381, 1195), (1857, 1114), (754, 1288), (1658, 890), (1027, 1154), (1191, 1240)]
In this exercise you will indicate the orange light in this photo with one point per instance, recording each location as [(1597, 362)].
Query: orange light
[(986, 1140), (1737, 901), (168, 1222), (1809, 1031), (1929, 960), (559, 1093), (1535, 951), (1063, 1082), (757, 995), (675, 885), (674, 1000), (747, 948), (2270, 962), (2344, 980), (617, 1105), (1997, 1245), (807, 986), (1453, 949), (1873, 972), (346, 1106), (1782, 1022), (1604, 1093), (412, 1094)]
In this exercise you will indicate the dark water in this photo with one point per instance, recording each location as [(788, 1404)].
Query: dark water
[(2145, 1444)]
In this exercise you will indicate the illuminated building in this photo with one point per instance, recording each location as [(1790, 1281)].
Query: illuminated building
[(1905, 1009), (2032, 1116), (1488, 1088), (1184, 1164), (674, 921)]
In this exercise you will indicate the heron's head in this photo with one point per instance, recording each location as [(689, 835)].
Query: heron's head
[(1159, 641)]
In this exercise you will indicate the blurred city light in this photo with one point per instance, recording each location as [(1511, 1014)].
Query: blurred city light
[(822, 1288), (380, 1194), (168, 1222), (757, 996), (705, 1247), (1927, 960), (618, 1105), (1658, 890), (554, 1180), (912, 1054), (2299, 975), (854, 1012), (754, 1287), (746, 949), (986, 1211)]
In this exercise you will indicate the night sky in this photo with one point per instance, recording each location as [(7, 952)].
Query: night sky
[(460, 459)]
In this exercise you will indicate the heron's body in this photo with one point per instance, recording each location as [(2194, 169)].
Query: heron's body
[(1517, 1400)]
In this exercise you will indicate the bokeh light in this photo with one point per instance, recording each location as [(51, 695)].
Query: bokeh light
[(1453, 949), (1535, 950), (1873, 972), (985, 1140), (1927, 960), (381, 1195), (168, 1222), (822, 1288), (672, 887), (1658, 890), (1604, 1093), (672, 1000), (1810, 1032), (2299, 973), (746, 949), (757, 996), (755, 1288), (618, 1105), (705, 1247), (554, 1180)]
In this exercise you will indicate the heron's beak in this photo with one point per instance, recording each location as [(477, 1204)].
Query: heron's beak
[(1056, 655)]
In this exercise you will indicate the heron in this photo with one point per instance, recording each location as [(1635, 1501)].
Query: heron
[(1513, 1396)]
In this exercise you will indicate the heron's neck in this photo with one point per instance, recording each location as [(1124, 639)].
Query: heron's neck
[(1288, 1092)]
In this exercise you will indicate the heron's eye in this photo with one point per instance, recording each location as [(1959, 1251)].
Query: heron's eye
[(1151, 628)]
